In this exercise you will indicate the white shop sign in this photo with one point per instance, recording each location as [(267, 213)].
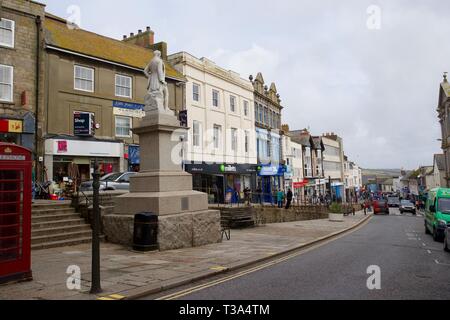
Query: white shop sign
[(129, 112), (84, 148)]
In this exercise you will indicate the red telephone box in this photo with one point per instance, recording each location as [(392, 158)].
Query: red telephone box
[(15, 213)]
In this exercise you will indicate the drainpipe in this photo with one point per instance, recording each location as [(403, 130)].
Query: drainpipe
[(38, 70)]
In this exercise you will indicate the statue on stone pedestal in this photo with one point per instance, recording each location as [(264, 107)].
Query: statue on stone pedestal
[(157, 97)]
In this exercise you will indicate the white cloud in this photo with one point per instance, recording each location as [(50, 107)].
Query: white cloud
[(378, 89)]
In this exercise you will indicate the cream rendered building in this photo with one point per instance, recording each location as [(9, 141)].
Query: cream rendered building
[(221, 147), (333, 164), (293, 155)]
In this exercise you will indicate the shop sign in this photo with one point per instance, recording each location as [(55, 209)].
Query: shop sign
[(128, 105), (83, 124), (129, 113), (220, 168), (269, 171), (13, 126), (62, 146), (228, 168)]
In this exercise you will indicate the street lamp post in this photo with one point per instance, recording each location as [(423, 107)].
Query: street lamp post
[(96, 285)]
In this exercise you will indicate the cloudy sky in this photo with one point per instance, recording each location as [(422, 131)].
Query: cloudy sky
[(367, 70)]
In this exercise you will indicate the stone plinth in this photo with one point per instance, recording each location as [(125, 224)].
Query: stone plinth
[(163, 188)]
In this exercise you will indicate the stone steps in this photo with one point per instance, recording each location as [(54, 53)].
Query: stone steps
[(61, 237), (63, 243), (56, 217), (57, 225), (59, 230), (43, 212)]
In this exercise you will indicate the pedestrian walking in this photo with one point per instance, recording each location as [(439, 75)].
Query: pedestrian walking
[(289, 198), (247, 195)]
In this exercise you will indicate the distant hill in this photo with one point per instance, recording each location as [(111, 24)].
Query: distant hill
[(382, 172)]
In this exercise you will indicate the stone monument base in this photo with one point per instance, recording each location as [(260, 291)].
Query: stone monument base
[(185, 230)]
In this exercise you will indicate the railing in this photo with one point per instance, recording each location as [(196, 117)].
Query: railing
[(240, 199)]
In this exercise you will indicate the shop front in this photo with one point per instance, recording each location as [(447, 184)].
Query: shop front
[(18, 131), (270, 180), (134, 158), (70, 161), (338, 191), (224, 183)]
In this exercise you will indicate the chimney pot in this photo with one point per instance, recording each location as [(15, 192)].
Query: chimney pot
[(124, 36), (139, 31), (148, 29), (132, 34)]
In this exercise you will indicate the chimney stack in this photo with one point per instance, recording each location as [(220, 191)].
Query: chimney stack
[(143, 39)]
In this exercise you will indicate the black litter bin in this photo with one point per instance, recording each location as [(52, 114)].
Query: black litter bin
[(145, 232)]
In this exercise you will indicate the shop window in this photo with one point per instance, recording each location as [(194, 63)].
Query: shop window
[(124, 86), (7, 30), (84, 79), (123, 127), (6, 83)]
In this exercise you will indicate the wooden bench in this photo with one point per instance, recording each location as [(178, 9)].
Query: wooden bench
[(237, 218)]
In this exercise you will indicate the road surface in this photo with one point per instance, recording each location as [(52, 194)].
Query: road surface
[(412, 266)]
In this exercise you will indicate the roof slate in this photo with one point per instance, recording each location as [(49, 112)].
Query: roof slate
[(58, 34)]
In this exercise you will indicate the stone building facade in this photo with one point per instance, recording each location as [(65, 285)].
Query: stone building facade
[(220, 151), (444, 119), (269, 132), (20, 64), (95, 81)]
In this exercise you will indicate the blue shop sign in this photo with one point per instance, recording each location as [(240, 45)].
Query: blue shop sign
[(134, 155), (271, 170), (128, 105)]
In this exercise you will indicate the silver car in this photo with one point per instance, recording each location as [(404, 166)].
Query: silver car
[(112, 181)]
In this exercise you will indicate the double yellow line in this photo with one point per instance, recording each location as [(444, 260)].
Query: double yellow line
[(189, 291)]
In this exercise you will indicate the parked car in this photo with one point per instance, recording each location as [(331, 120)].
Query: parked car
[(407, 206), (447, 238), (437, 213), (393, 202), (380, 206), (112, 181)]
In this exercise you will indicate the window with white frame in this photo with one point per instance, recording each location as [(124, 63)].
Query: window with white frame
[(124, 86), (215, 98), (246, 110), (216, 136), (234, 141), (233, 103), (196, 92), (7, 30), (196, 133), (84, 79), (6, 83), (123, 127)]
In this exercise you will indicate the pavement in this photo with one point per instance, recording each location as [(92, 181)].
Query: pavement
[(129, 275), (412, 266)]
